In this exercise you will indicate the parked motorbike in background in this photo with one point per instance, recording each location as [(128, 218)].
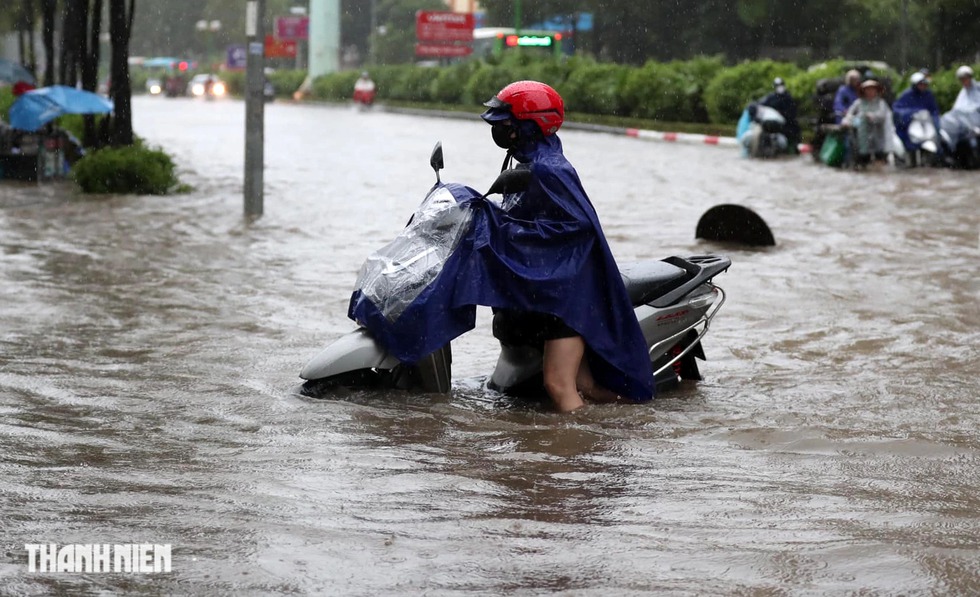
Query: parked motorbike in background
[(960, 132), (761, 132), (926, 143)]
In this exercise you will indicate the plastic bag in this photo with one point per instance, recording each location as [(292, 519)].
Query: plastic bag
[(832, 151), (395, 275)]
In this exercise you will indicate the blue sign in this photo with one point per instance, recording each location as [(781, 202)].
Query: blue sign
[(236, 57)]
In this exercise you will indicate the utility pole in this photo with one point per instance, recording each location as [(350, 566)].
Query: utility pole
[(255, 108)]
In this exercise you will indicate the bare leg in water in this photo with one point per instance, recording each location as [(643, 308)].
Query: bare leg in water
[(566, 373)]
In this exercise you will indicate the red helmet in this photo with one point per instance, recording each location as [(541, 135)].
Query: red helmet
[(531, 100)]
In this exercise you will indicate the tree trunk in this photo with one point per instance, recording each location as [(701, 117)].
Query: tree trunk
[(48, 9), (120, 25), (21, 27), (90, 67), (31, 22), (71, 36)]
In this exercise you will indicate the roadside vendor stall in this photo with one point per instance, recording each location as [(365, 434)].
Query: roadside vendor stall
[(31, 148)]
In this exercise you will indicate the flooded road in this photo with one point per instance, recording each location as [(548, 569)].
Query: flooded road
[(149, 347)]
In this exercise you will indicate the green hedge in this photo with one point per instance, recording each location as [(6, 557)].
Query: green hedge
[(700, 90), (131, 170), (676, 91), (596, 89), (733, 88), (657, 91)]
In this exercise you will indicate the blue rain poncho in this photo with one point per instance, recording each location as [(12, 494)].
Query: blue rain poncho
[(907, 105), (540, 250), (843, 100)]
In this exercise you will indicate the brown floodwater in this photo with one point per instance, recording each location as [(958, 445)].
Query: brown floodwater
[(149, 348)]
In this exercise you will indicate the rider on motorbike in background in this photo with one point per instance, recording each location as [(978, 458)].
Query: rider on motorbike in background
[(781, 101), (364, 89), (915, 99), (969, 96), (961, 125)]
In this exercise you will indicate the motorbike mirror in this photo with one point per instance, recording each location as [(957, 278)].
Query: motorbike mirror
[(435, 160), (514, 180)]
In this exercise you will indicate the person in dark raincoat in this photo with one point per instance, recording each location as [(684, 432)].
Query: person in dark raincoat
[(781, 101), (540, 259), (916, 98)]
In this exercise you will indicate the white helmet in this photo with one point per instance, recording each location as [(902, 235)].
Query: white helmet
[(964, 71), (917, 78)]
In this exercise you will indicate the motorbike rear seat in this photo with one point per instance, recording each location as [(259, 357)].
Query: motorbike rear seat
[(647, 280)]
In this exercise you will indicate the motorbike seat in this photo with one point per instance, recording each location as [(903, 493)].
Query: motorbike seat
[(647, 280)]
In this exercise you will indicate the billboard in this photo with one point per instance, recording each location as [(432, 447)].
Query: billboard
[(443, 34)]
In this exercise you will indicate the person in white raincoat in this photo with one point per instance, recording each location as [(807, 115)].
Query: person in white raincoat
[(968, 99)]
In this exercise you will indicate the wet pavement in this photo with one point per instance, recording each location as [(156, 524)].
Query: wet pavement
[(149, 347)]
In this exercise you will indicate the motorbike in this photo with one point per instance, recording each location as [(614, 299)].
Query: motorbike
[(926, 142), (960, 133), (364, 98), (675, 300), (761, 132)]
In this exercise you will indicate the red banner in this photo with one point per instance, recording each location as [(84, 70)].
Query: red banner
[(444, 26), (279, 48), (442, 50)]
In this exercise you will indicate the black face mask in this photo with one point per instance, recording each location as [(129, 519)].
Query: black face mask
[(505, 135)]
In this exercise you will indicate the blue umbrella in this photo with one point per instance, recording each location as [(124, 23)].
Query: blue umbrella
[(11, 72), (36, 108)]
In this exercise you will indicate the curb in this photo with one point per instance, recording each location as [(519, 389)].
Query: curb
[(645, 134)]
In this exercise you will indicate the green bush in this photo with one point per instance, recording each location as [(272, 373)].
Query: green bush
[(448, 83), (335, 87), (414, 84), (286, 82), (129, 170), (595, 88), (234, 82), (486, 81), (6, 100), (734, 88), (551, 71), (387, 80), (803, 86), (657, 91), (697, 74)]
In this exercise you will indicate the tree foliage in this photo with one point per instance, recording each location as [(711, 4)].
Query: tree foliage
[(939, 32)]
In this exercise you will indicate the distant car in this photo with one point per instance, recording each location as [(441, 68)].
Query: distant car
[(207, 85), (154, 86)]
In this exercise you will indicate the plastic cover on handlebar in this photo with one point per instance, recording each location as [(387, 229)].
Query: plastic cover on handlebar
[(395, 275)]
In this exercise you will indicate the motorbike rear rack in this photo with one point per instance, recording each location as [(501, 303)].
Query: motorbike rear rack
[(666, 344)]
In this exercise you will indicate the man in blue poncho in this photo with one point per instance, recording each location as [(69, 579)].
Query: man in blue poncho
[(546, 266), (915, 99)]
